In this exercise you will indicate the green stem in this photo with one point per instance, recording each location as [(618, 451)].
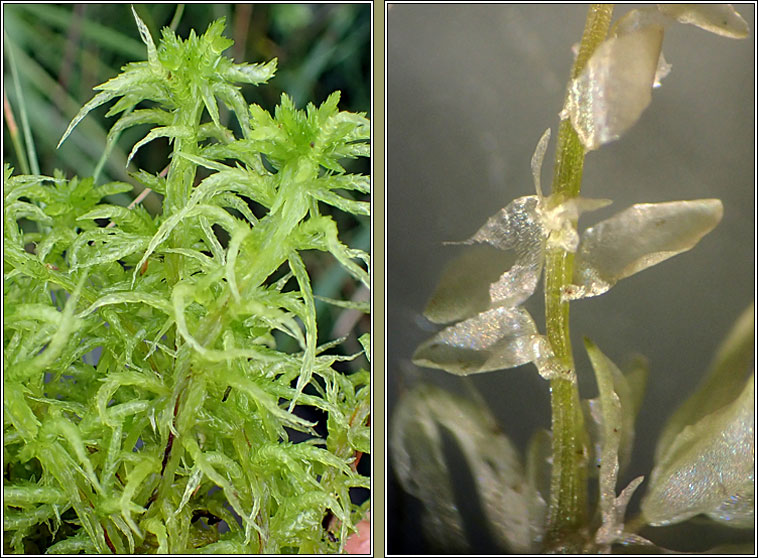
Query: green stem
[(179, 182), (567, 511)]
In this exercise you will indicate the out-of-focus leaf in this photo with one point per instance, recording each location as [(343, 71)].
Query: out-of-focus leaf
[(539, 457), (365, 341), (418, 458), (727, 549), (723, 383), (721, 19), (708, 468)]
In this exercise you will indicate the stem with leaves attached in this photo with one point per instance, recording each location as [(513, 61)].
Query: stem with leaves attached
[(568, 486)]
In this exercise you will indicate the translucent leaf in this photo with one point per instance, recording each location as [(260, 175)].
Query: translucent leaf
[(419, 460), (606, 374), (500, 337), (729, 370), (614, 422), (560, 220), (637, 238), (629, 388), (496, 339), (721, 19), (613, 90), (537, 157), (708, 468), (518, 227), (635, 372), (634, 20)]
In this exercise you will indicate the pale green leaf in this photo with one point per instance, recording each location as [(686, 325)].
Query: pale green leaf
[(131, 220), (105, 245), (96, 101), (637, 238), (152, 53), (721, 19), (210, 103), (17, 410), (365, 341), (615, 87), (354, 207), (249, 73), (162, 132), (143, 116), (362, 306)]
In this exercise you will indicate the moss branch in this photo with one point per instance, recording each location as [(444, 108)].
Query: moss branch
[(567, 509)]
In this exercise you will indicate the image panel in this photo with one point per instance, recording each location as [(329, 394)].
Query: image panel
[(186, 305), (476, 377)]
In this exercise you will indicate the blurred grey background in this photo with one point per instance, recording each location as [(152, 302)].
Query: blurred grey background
[(470, 89)]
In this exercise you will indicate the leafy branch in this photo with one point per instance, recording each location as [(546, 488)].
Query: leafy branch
[(543, 506)]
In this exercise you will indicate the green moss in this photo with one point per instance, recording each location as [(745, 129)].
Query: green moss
[(150, 396)]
